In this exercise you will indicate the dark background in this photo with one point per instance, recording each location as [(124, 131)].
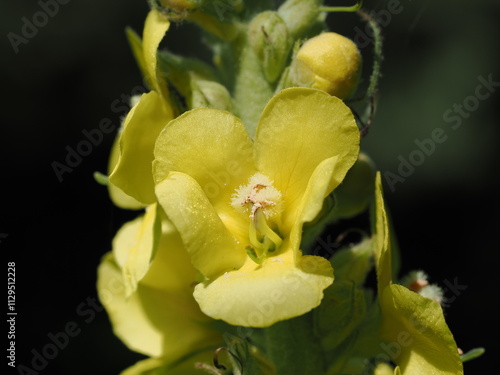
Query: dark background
[(65, 79)]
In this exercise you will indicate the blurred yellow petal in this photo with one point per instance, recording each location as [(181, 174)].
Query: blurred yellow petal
[(134, 246), (384, 369), (160, 318), (133, 171), (261, 295)]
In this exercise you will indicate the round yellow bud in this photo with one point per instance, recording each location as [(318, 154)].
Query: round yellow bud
[(329, 62)]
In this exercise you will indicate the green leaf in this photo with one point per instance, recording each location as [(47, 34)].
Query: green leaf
[(340, 312), (293, 348)]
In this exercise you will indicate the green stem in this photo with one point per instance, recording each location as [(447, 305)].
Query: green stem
[(293, 348)]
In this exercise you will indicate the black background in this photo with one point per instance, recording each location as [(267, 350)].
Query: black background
[(66, 78)]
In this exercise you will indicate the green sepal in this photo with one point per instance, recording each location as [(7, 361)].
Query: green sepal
[(142, 253), (101, 178), (472, 354), (135, 43)]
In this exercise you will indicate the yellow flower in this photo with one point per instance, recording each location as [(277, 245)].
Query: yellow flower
[(417, 337), (146, 285), (239, 205)]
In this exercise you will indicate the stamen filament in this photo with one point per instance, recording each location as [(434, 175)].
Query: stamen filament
[(253, 236), (263, 228)]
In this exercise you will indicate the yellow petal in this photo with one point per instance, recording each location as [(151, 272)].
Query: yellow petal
[(134, 245), (118, 197), (212, 248), (155, 27), (259, 296), (212, 147), (311, 202), (417, 336), (381, 240), (298, 129), (133, 171), (161, 318)]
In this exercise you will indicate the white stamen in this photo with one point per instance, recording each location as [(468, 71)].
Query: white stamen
[(259, 193)]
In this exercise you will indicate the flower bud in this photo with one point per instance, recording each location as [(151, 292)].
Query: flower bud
[(210, 94), (329, 62), (299, 16), (268, 36)]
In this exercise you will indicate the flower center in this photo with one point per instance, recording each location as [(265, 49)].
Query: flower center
[(263, 202)]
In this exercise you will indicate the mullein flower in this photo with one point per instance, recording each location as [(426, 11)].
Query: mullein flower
[(146, 286), (240, 205), (417, 337)]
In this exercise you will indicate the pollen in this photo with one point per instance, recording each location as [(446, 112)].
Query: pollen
[(259, 193)]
